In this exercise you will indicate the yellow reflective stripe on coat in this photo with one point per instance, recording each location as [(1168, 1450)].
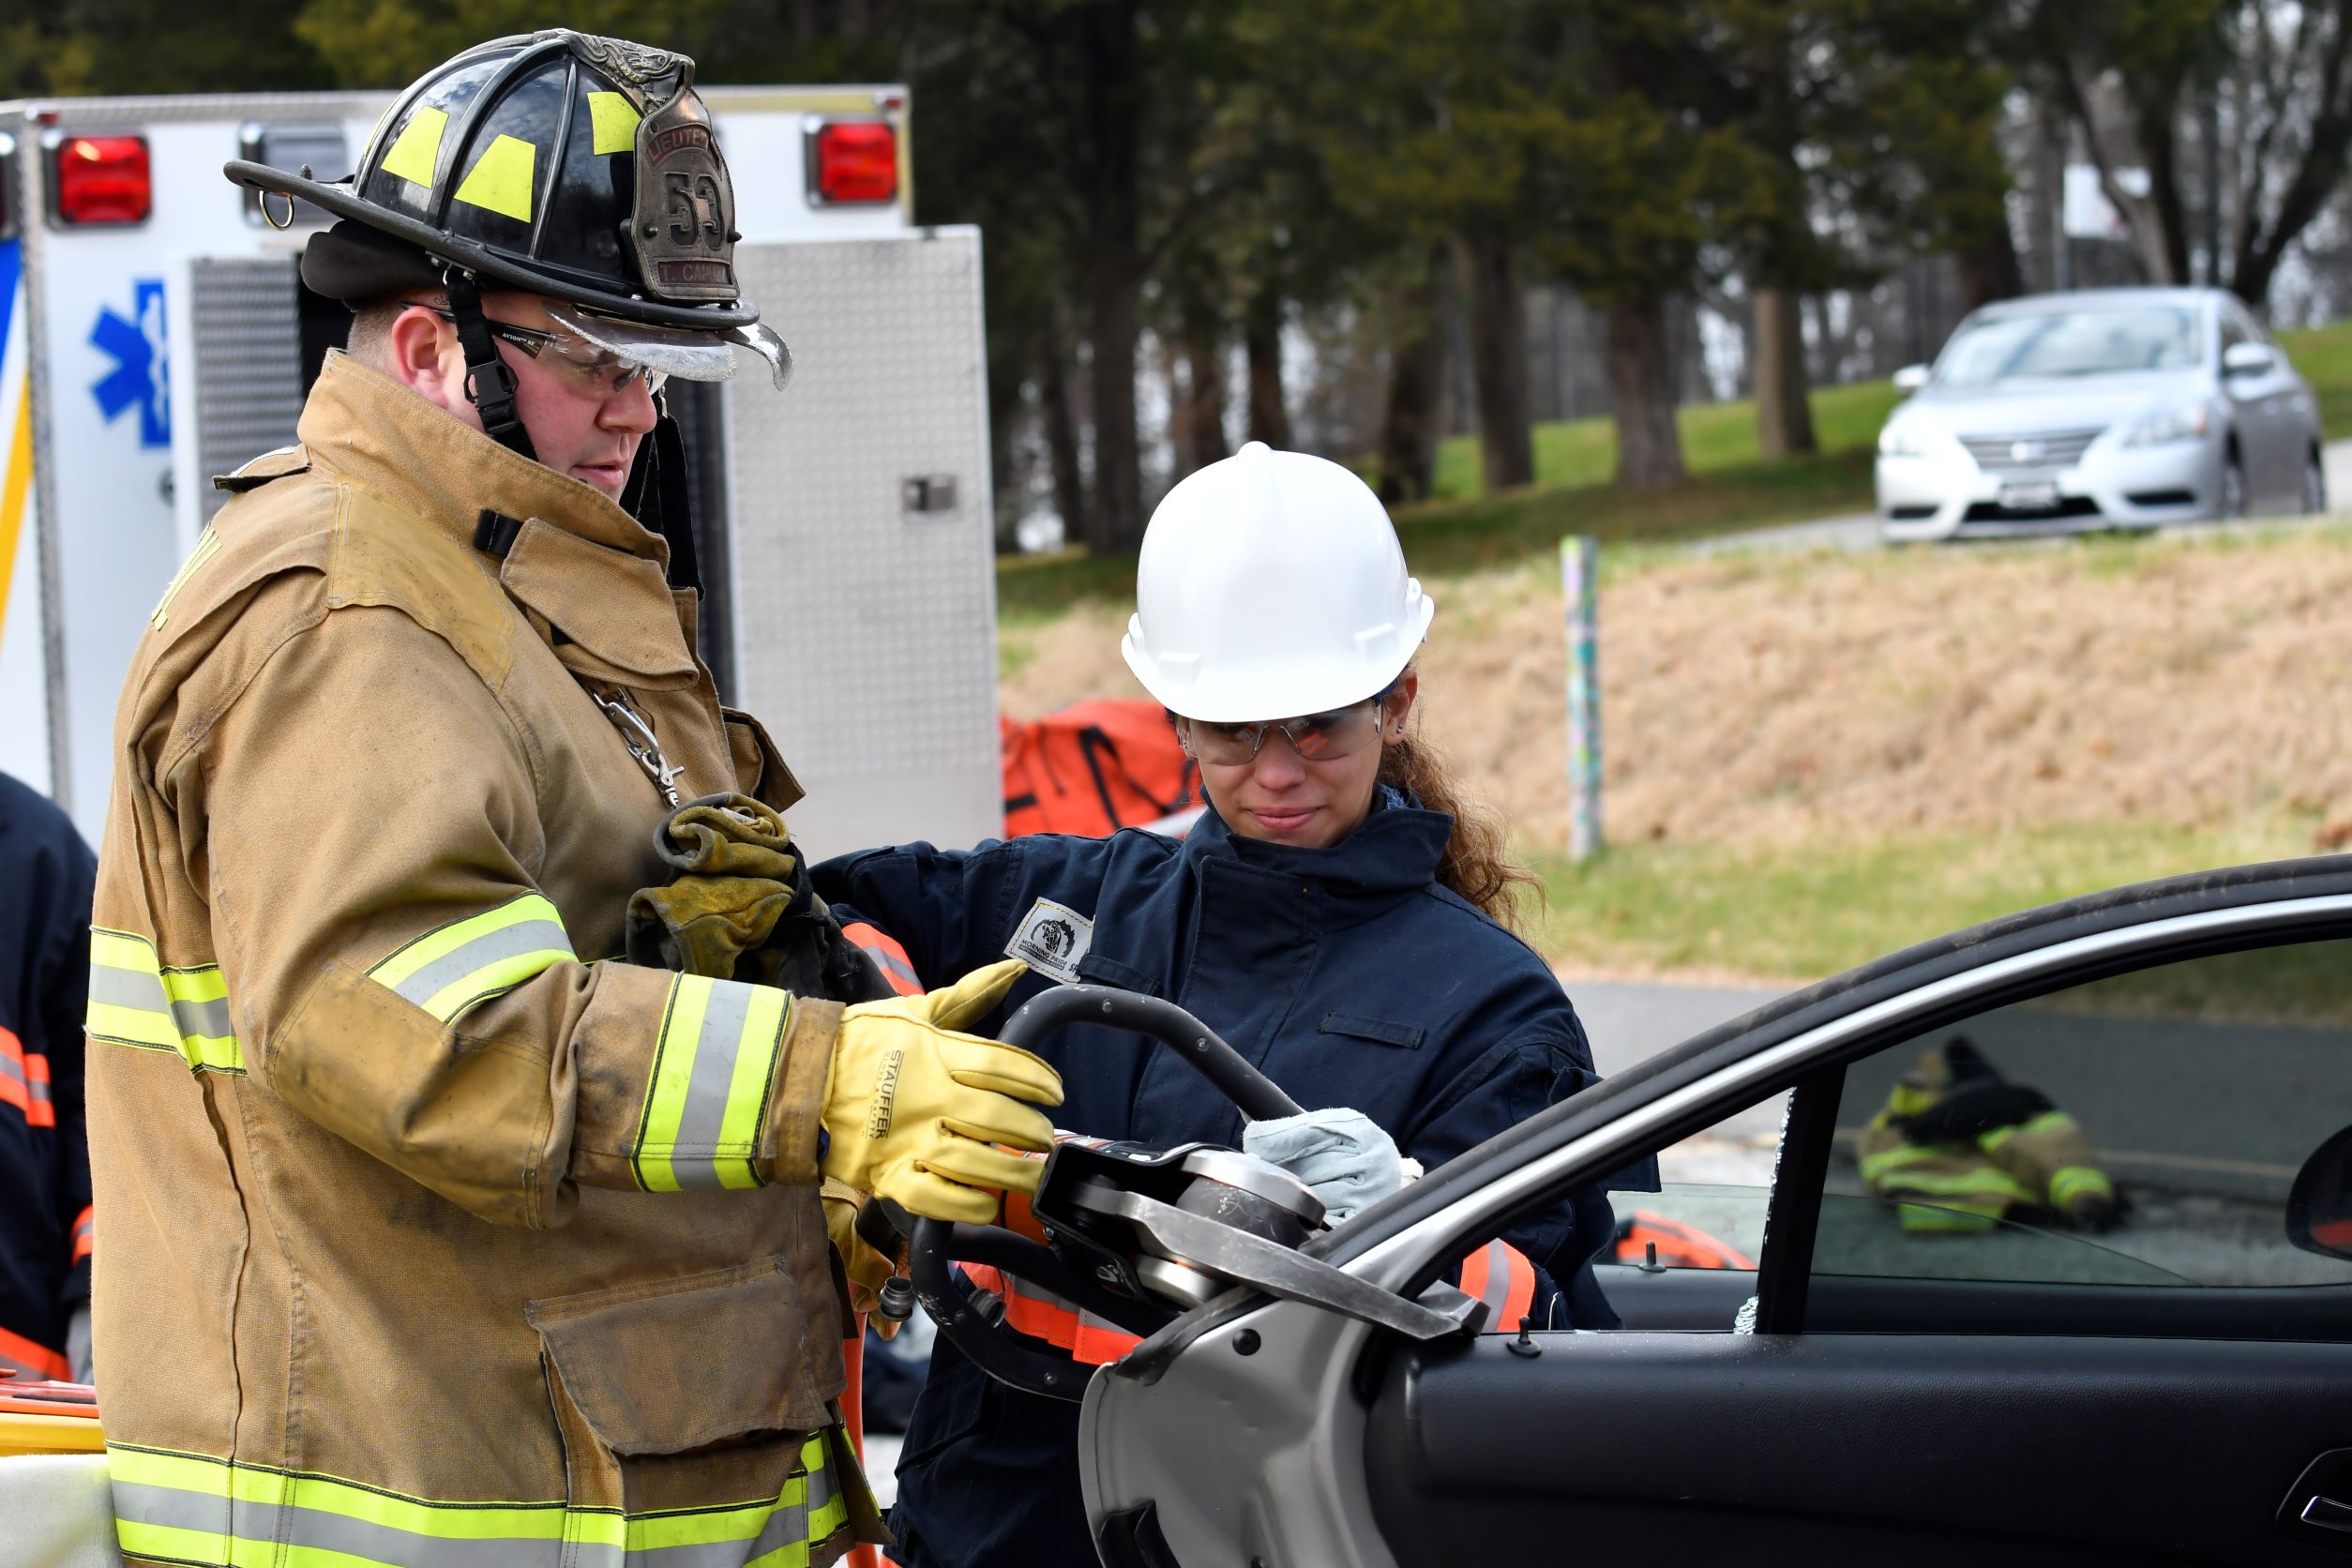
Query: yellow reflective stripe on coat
[(191, 1509), (706, 1100), (1985, 1182), (452, 967), (2071, 1182), (2048, 1121), (134, 1001)]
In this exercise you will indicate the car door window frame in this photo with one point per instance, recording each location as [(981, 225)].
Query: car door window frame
[(1580, 1141)]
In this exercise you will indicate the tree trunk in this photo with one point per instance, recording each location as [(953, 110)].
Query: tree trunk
[(1641, 396), (1262, 335), (1113, 266), (1416, 375), (1989, 269), (1784, 412), (1497, 322), (1061, 429), (1200, 418)]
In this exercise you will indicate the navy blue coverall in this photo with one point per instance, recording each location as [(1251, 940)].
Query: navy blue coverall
[(1346, 974), (46, 871)]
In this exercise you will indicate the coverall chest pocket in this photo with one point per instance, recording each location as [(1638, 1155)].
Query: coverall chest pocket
[(677, 1395)]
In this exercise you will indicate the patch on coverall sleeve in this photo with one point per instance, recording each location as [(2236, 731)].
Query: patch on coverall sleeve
[(1052, 939)]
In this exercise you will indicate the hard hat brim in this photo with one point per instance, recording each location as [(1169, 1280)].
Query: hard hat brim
[(338, 198), (1253, 696)]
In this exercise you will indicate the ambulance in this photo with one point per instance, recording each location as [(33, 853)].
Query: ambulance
[(154, 333)]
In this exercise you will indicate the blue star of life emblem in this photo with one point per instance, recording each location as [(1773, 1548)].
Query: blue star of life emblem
[(137, 346)]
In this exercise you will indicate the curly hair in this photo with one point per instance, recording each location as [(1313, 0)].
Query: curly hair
[(1474, 864)]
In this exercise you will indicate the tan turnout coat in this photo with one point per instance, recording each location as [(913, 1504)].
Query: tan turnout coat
[(429, 1237)]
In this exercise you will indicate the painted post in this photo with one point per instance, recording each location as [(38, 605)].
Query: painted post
[(1579, 583)]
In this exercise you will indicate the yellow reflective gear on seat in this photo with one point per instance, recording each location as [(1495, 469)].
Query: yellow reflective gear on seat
[(134, 1001), (1956, 1217), (452, 967), (2070, 1181), (1985, 1182), (706, 1103), (2052, 1121), (191, 1509), (1878, 1165)]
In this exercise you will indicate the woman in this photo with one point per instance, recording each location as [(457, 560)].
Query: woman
[(1334, 914)]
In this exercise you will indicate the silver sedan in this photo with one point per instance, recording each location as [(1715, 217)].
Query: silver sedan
[(2103, 409)]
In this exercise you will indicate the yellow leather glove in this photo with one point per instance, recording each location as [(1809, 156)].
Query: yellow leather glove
[(911, 1107), (866, 1269)]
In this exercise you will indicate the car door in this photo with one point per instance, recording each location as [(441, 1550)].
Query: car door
[(1904, 1376), (2262, 413)]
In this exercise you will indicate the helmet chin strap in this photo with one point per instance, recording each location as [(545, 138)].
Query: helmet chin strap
[(490, 382), (657, 497)]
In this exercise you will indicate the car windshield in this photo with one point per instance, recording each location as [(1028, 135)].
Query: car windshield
[(2088, 342)]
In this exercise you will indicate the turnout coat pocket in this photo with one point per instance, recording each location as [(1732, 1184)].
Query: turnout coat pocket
[(672, 1394)]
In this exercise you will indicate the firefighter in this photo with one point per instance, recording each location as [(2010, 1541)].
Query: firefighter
[(45, 1217), (1333, 915), (1958, 1148), (432, 1238)]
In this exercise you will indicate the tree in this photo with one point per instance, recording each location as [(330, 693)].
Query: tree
[(2269, 80)]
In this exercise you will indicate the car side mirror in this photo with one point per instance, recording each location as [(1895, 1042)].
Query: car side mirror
[(1910, 378), (2248, 360), (2319, 1205)]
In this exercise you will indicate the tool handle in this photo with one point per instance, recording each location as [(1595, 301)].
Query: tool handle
[(1259, 1097)]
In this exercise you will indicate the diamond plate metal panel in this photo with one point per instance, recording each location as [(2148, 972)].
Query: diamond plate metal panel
[(249, 364), (865, 632)]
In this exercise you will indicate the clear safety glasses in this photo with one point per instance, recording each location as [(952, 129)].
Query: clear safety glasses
[(1316, 737), (600, 372)]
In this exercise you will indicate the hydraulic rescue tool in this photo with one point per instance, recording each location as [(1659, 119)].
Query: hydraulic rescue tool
[(1139, 1236)]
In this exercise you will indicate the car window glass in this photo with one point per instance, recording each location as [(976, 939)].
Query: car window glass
[(2041, 344), (2235, 330), (2142, 1129)]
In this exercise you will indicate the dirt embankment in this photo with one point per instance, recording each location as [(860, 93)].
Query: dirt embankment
[(1762, 697)]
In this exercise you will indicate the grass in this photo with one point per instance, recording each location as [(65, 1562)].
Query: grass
[(1797, 913), (1716, 437)]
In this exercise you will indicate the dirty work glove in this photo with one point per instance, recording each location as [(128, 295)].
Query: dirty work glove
[(1350, 1161), (867, 1268), (738, 907), (911, 1107), (733, 874)]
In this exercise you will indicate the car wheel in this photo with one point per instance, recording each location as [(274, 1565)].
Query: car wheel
[(2314, 483), (2231, 502)]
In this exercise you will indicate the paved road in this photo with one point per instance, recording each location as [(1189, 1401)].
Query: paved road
[(1861, 531)]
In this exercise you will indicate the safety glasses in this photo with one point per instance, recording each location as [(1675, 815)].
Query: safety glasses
[(598, 372), (1316, 737)]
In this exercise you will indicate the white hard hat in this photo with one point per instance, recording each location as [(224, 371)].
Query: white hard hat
[(1270, 584)]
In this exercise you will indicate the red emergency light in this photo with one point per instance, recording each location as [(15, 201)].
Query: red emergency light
[(856, 160), (100, 179)]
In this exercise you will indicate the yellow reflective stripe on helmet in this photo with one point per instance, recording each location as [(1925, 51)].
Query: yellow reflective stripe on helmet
[(2070, 1181), (191, 1509), (449, 968), (503, 178), (1910, 1099), (614, 120), (416, 155), (134, 1001), (706, 1098)]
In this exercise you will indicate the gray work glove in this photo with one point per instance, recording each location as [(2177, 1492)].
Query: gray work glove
[(1350, 1161)]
